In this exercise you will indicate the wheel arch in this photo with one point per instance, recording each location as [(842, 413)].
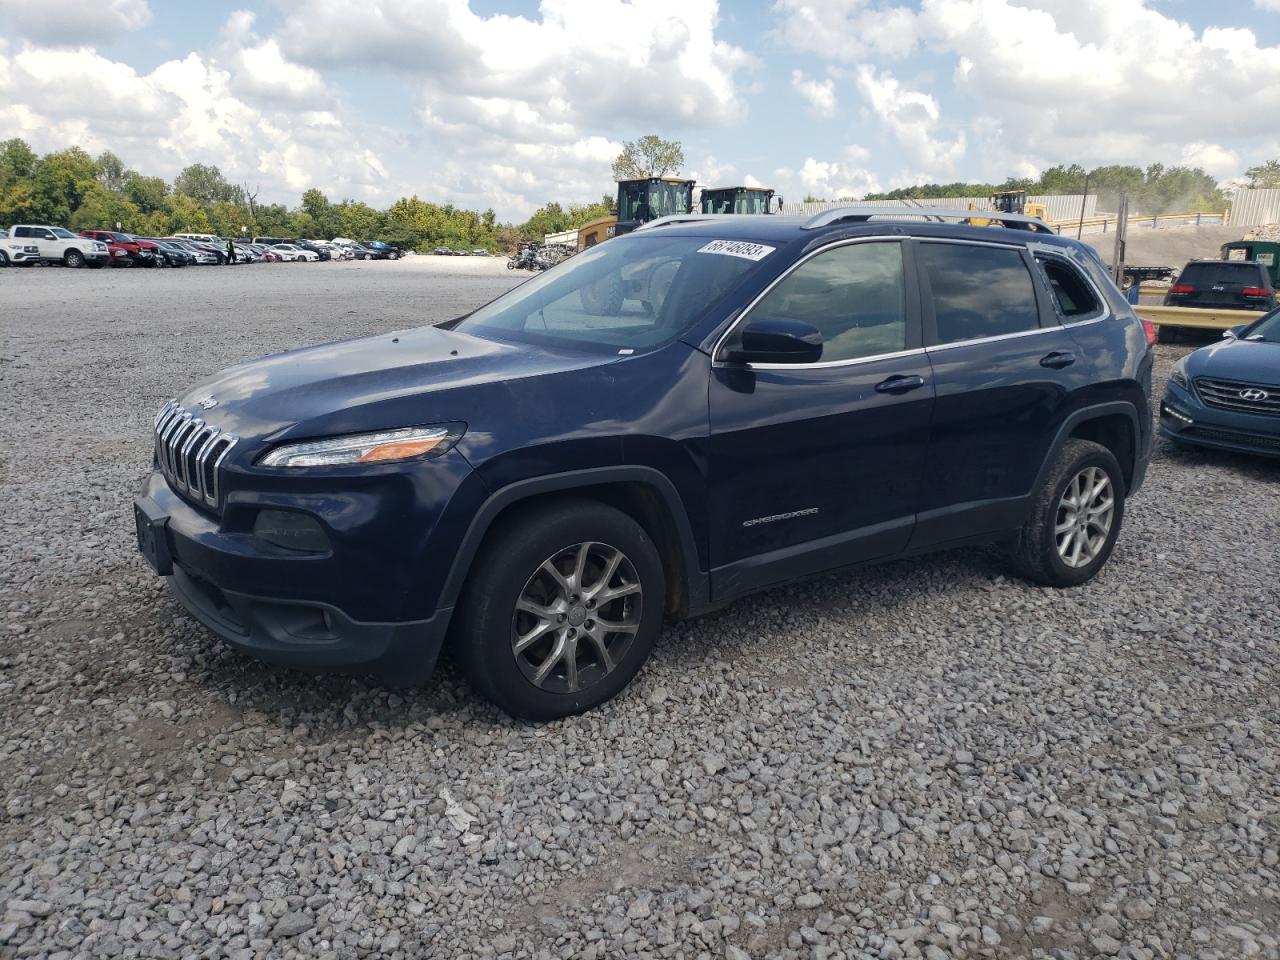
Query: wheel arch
[(1113, 425), (643, 493)]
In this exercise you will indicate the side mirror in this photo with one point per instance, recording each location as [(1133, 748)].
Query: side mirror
[(1234, 332), (777, 340)]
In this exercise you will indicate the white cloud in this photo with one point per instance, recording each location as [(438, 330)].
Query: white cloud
[(1062, 76), (828, 179), (1271, 6), (911, 118), (557, 93), (261, 71), (849, 30), (821, 94), (185, 111), (74, 22)]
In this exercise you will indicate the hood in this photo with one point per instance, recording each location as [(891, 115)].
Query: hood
[(1247, 360), (425, 375)]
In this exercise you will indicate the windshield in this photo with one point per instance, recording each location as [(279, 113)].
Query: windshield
[(629, 293), (1266, 328), (647, 200), (60, 232)]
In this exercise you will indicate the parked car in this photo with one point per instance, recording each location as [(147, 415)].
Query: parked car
[(141, 253), (60, 245), (1220, 285), (203, 253), (382, 251), (480, 252), (18, 252), (1227, 395), (442, 251), (321, 252), (293, 254), (172, 255), (657, 426)]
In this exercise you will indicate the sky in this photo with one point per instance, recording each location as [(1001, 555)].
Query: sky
[(508, 104)]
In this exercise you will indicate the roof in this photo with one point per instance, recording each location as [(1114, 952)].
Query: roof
[(854, 221), (738, 187), (649, 179)]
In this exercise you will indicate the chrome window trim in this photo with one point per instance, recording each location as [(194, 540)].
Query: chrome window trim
[(746, 313), (995, 338), (828, 364), (1041, 250)]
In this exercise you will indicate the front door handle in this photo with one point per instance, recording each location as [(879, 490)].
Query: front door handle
[(1058, 359), (900, 384)]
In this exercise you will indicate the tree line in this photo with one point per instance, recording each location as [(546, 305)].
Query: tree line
[(74, 189), (1154, 189)]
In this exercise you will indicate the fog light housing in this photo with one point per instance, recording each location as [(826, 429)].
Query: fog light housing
[(290, 530)]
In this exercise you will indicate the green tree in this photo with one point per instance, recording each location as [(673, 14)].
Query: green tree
[(17, 159), (186, 215), (147, 192), (207, 184), (1265, 176), (357, 220), (101, 209), (649, 156), (111, 171), (323, 214)]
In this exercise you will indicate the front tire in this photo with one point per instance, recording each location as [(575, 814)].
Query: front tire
[(4, 259), (74, 259), (1075, 518), (562, 610)]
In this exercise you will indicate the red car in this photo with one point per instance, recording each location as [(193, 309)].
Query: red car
[(142, 253)]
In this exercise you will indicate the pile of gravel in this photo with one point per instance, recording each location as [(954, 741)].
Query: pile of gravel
[(927, 759), (1269, 231)]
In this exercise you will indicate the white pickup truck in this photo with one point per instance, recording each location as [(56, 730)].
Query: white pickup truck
[(59, 245)]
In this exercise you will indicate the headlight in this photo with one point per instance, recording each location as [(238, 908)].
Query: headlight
[(1179, 374), (387, 446)]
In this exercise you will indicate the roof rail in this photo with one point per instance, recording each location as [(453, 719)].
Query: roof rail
[(1016, 221), (687, 218)]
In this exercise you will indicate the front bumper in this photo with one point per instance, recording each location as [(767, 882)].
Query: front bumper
[(22, 255), (263, 601), (1185, 419)]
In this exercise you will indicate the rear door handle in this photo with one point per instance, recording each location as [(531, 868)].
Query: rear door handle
[(900, 384), (1058, 359)]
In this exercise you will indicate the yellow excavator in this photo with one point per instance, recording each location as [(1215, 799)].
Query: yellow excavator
[(1011, 201), (639, 201)]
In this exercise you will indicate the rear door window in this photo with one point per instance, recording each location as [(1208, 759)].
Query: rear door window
[(978, 291), (1073, 293)]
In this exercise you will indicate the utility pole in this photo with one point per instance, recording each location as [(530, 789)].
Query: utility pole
[(1083, 201), (1122, 229)]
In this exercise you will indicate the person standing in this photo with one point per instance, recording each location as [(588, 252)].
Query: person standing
[(231, 251)]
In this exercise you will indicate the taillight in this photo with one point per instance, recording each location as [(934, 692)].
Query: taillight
[(1255, 292), (1149, 329), (1182, 288)]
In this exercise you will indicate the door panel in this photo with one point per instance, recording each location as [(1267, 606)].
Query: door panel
[(815, 466), (1000, 399)]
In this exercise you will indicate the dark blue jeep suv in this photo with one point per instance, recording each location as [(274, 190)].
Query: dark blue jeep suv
[(663, 423)]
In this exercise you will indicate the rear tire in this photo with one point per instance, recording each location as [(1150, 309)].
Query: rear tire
[(1165, 334), (574, 566), (73, 259), (1075, 517)]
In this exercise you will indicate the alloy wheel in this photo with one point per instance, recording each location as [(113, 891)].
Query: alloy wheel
[(1083, 520), (576, 617)]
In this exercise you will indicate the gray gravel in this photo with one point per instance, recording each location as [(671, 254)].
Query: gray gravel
[(928, 759)]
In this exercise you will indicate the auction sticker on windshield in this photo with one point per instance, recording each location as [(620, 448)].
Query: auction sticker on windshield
[(738, 248)]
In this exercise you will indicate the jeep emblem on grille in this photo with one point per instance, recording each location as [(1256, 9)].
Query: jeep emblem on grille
[(1254, 394), (208, 403)]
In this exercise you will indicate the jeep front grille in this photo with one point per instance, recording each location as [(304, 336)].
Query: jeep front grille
[(190, 452)]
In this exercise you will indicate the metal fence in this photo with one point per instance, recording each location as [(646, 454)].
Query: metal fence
[(1060, 207), (1253, 208)]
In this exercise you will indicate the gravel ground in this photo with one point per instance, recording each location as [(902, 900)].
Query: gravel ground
[(926, 759)]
